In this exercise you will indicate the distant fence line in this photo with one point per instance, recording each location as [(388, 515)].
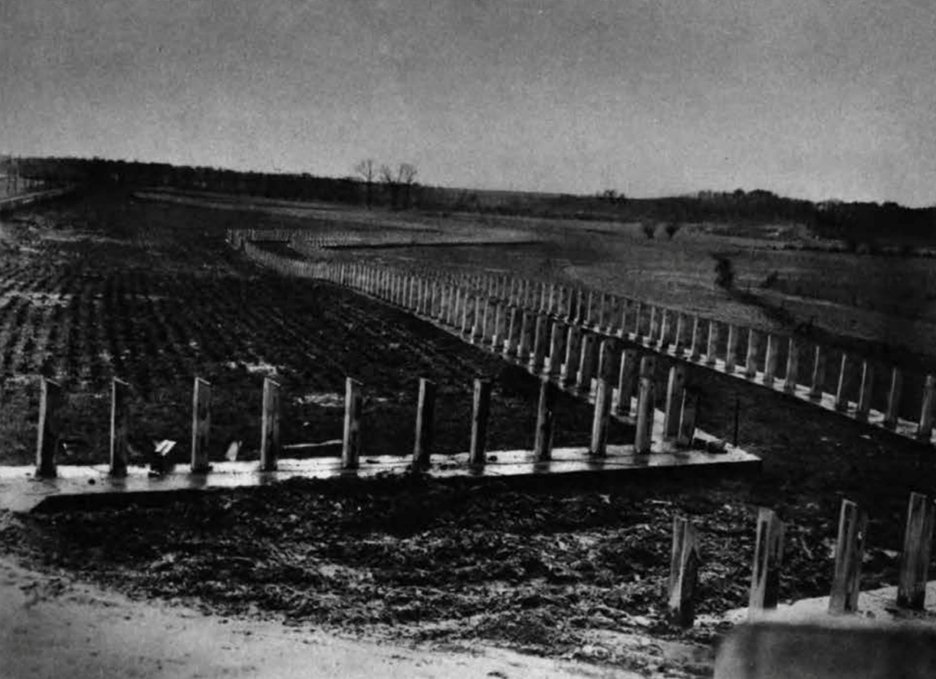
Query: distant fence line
[(24, 200), (491, 309)]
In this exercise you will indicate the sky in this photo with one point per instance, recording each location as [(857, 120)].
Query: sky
[(810, 98)]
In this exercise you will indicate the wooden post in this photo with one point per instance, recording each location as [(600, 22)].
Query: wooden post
[(600, 418), (818, 374), (750, 363), (556, 347), (351, 441), (643, 437), (50, 402), (627, 382), (545, 420), (925, 429), (732, 355), (841, 397), (586, 364), (867, 387), (768, 557), (792, 366), (914, 560), (573, 348), (711, 351), (481, 408), (684, 570), (119, 427), (674, 398), (425, 418), (893, 399), (770, 361), (849, 550), (201, 425), (540, 339), (687, 418), (270, 426)]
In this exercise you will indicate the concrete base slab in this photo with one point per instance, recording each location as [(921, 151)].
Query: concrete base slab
[(77, 486)]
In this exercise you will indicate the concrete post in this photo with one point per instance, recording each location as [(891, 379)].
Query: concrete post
[(818, 374), (467, 314), (425, 420), (893, 399), (512, 342), (526, 336), (477, 328), (599, 437), (500, 326), (545, 420), (770, 361), (602, 308), (556, 347), (270, 426), (768, 557), (711, 351), (915, 557), (586, 369), (750, 363), (201, 425), (589, 310), (695, 350), (732, 355), (573, 349), (684, 569), (654, 326), (687, 418), (540, 340), (481, 408), (925, 429), (50, 402), (849, 551), (841, 396), (119, 427), (351, 440), (645, 398), (679, 343), (675, 388), (792, 366), (864, 395), (665, 322), (624, 303), (627, 382), (638, 308)]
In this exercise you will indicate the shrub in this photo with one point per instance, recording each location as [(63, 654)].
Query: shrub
[(724, 273)]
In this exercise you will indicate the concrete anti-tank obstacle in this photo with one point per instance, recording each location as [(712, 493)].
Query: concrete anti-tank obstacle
[(627, 382), (818, 373), (711, 351), (545, 421), (50, 403), (643, 437), (270, 426), (601, 418), (849, 552), (674, 399), (731, 356), (915, 557), (201, 425), (481, 408), (792, 369), (925, 427), (351, 439), (569, 372), (768, 558), (119, 427), (687, 418), (425, 423)]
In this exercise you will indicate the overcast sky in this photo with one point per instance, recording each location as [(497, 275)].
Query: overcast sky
[(811, 98)]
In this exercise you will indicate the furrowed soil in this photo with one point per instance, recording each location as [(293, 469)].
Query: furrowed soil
[(573, 570)]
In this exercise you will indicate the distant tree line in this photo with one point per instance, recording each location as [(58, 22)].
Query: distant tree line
[(396, 187)]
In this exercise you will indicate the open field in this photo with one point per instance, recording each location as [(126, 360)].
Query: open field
[(149, 291)]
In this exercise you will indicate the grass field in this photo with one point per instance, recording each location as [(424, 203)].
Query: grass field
[(148, 290)]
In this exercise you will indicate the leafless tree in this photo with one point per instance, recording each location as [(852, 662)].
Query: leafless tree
[(399, 183), (368, 172)]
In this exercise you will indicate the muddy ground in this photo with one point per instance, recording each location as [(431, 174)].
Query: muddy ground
[(574, 571)]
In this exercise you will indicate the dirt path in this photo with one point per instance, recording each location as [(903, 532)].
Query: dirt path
[(52, 626)]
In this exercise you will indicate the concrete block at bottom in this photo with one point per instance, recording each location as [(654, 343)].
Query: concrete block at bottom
[(835, 648)]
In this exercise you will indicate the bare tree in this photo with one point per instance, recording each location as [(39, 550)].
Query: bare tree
[(649, 229), (399, 183), (368, 172), (672, 228)]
